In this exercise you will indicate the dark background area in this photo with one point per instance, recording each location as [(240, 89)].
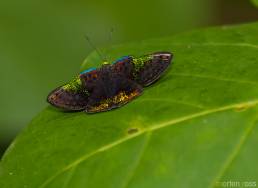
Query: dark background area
[(42, 42)]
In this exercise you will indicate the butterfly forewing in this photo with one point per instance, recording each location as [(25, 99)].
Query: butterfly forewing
[(68, 100), (124, 67), (153, 67)]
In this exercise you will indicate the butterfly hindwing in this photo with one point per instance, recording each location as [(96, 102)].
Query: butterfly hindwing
[(151, 67), (120, 93)]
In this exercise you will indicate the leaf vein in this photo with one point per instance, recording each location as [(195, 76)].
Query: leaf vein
[(130, 176), (172, 101), (218, 44), (215, 78)]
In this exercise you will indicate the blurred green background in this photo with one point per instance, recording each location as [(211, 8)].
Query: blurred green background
[(42, 43)]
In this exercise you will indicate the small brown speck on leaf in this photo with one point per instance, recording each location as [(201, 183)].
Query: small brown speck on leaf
[(132, 130), (243, 107)]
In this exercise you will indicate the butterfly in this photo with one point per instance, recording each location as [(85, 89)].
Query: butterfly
[(112, 85)]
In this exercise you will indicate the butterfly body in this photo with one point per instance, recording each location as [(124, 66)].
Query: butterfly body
[(111, 85)]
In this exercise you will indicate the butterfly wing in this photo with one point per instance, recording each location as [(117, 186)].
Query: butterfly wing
[(121, 91), (110, 86), (68, 99), (124, 67), (150, 67), (92, 80), (74, 95)]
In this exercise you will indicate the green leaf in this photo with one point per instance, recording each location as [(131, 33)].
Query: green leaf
[(195, 127), (255, 2)]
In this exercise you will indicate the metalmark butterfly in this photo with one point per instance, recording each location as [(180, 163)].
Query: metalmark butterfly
[(111, 85)]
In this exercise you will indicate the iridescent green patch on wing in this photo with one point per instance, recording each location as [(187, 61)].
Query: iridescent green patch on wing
[(139, 62), (149, 68), (74, 85)]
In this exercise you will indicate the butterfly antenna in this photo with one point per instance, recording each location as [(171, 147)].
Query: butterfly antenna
[(111, 34), (110, 37), (94, 47)]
